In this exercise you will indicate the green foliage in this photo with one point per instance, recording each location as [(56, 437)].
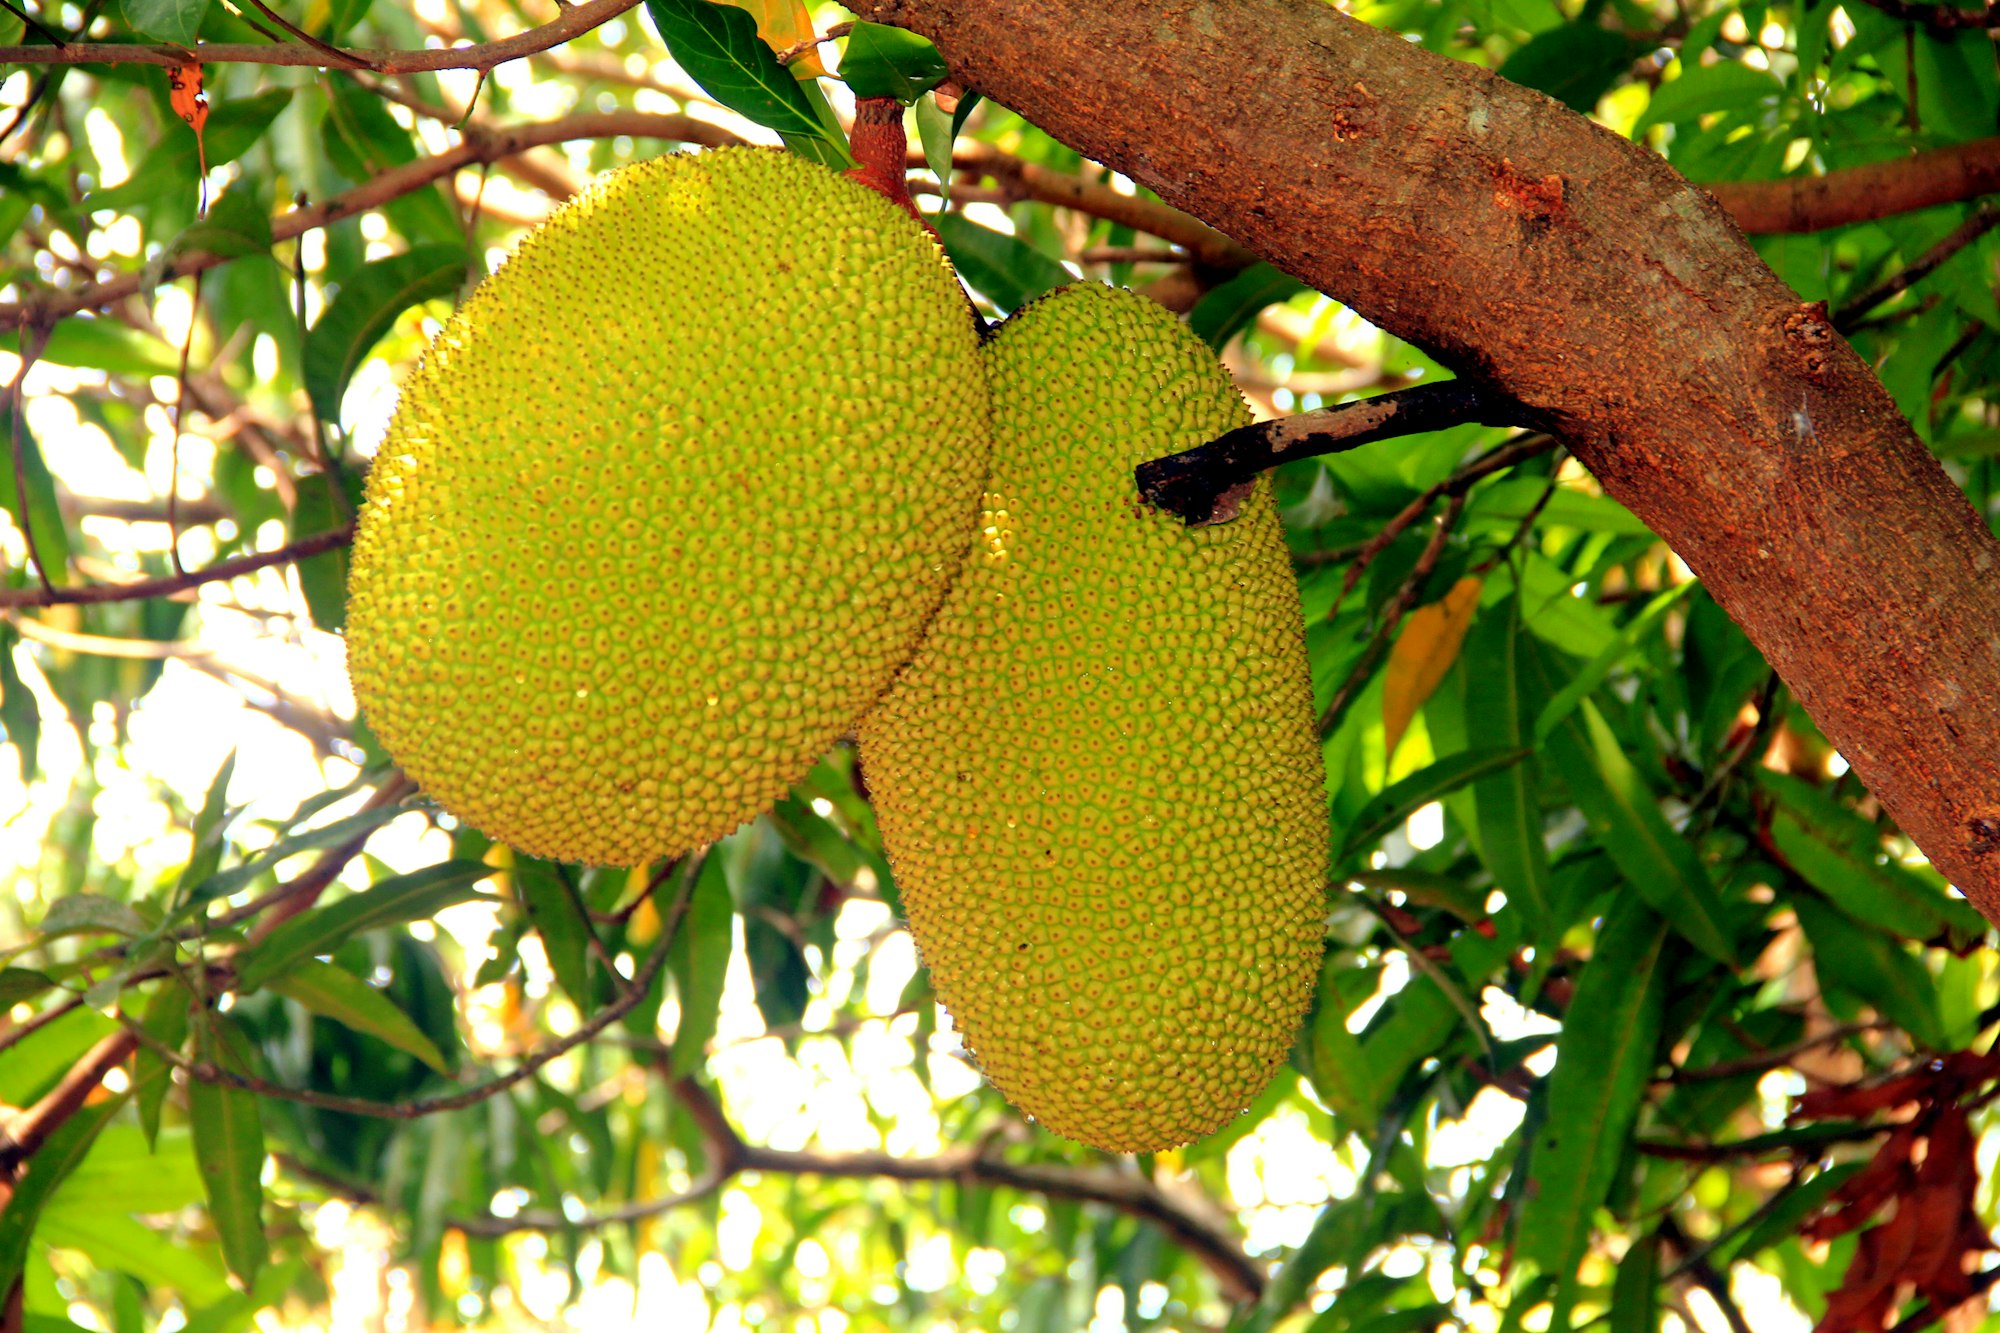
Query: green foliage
[(1610, 908)]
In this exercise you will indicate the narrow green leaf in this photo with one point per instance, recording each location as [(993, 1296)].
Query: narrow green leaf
[(560, 919), (1576, 64), (881, 61), (229, 1149), (1660, 863), (21, 983), (1635, 1299), (237, 225), (323, 577), (29, 472), (1392, 805), (417, 896), (20, 712), (1871, 967), (717, 44), (1229, 308), (91, 913), (176, 21), (118, 1243), (334, 992), (366, 306), (1583, 682), (1340, 1073), (1838, 853), (1724, 86), (699, 958), (94, 343), (206, 858), (174, 164), (166, 1021), (59, 1155), (1508, 814), (225, 882), (934, 132), (1604, 1058), (1005, 269)]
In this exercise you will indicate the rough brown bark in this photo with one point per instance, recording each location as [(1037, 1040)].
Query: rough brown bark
[(1577, 271)]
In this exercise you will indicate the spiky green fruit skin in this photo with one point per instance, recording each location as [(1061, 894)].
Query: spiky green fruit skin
[(666, 505), (1098, 781)]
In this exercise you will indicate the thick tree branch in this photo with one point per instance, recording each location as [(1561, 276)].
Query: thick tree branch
[(1576, 272), (573, 21), (1863, 194), (49, 305)]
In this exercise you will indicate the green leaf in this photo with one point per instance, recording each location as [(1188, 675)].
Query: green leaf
[(236, 227), (117, 1243), (1604, 1059), (176, 21), (935, 133), (1006, 269), (1635, 1301), (1391, 806), (206, 858), (335, 993), (1594, 672), (21, 983), (717, 44), (323, 577), (174, 163), (225, 882), (91, 913), (31, 1065), (166, 1021), (1506, 810), (1871, 967), (563, 923), (229, 1149), (1706, 89), (699, 958), (126, 1174), (1658, 861), (417, 896), (1229, 309), (93, 343), (881, 61), (29, 472), (1576, 64), (59, 1155), (366, 307), (1837, 852), (20, 711)]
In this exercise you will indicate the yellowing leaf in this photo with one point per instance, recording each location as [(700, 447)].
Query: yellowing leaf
[(1429, 645), (784, 24)]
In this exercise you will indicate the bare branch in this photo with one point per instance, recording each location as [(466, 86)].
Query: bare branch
[(1984, 218), (573, 21), (1208, 484), (170, 584)]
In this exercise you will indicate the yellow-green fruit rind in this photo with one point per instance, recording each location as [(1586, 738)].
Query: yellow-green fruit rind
[(666, 505), (1098, 781)]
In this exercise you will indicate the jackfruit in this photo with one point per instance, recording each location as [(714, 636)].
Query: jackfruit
[(1098, 781), (666, 504)]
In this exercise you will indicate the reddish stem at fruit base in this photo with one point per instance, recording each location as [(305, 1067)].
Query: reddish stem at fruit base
[(882, 150)]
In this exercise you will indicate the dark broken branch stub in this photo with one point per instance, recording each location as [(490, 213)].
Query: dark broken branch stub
[(1208, 484)]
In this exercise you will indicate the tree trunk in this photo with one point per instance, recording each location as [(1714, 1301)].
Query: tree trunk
[(1575, 270)]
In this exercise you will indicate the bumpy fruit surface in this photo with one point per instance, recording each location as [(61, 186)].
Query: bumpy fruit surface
[(666, 505), (1098, 782)]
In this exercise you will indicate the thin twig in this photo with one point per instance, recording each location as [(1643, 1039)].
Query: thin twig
[(477, 149), (1941, 18), (167, 586), (1984, 218), (572, 21), (797, 49), (32, 1128), (1405, 598)]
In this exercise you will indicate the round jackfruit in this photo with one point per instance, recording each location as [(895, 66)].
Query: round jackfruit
[(665, 506), (1098, 781)]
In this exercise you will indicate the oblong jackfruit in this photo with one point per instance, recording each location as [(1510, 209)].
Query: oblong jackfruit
[(666, 504), (1098, 781)]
